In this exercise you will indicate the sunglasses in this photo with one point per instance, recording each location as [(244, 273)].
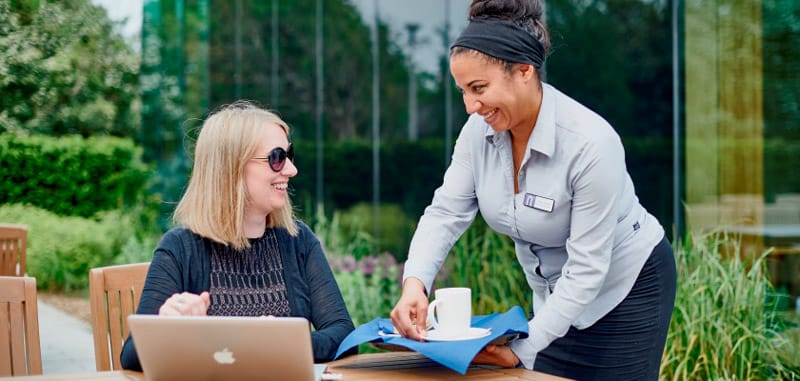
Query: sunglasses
[(277, 157)]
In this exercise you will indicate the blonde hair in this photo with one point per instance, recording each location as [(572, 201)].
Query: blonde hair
[(215, 199)]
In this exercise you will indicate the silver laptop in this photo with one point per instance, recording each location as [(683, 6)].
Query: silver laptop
[(224, 348)]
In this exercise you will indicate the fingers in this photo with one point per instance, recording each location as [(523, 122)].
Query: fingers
[(422, 318), (408, 316), (497, 355), (402, 317), (206, 298), (185, 304)]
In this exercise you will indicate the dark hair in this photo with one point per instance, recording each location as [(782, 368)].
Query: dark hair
[(527, 14)]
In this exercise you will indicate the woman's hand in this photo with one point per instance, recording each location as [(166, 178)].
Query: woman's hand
[(498, 355), (186, 304), (410, 313)]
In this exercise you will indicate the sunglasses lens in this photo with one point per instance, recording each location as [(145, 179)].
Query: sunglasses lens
[(277, 157)]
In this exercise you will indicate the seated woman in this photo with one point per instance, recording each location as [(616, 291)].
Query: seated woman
[(237, 250)]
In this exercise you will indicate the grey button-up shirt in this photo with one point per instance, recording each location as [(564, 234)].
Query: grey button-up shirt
[(580, 233)]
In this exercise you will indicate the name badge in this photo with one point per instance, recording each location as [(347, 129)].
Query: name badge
[(538, 202)]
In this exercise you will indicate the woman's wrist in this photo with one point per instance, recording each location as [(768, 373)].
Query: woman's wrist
[(415, 284)]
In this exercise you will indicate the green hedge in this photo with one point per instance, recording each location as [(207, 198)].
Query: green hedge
[(70, 175), (61, 250)]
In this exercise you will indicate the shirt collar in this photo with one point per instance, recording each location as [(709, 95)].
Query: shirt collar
[(543, 138)]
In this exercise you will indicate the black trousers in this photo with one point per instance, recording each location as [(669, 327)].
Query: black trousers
[(628, 342)]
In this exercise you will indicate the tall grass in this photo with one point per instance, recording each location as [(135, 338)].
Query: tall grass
[(370, 283), (725, 325), (486, 262), (369, 296)]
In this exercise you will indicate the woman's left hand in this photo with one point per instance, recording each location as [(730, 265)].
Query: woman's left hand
[(497, 355), (186, 304)]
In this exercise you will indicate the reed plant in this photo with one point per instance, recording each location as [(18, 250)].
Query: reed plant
[(726, 324), (369, 295), (369, 282), (486, 262)]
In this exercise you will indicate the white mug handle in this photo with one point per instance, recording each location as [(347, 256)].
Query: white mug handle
[(432, 320)]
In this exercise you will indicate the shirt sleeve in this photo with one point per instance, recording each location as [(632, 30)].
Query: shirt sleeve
[(598, 179), (332, 322), (450, 213), (163, 280)]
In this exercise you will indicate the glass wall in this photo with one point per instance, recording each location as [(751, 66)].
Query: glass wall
[(349, 90), (742, 125), (728, 90)]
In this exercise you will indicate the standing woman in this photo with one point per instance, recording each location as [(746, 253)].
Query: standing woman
[(550, 173), (238, 251)]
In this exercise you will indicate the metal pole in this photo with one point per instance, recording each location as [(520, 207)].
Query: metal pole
[(412, 84), (320, 106), (237, 76), (448, 96), (676, 141), (202, 11), (180, 158), (274, 67), (376, 129)]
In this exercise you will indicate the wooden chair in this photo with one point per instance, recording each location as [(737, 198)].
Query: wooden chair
[(13, 244), (114, 293), (20, 351)]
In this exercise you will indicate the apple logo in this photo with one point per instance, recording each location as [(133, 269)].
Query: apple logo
[(224, 357)]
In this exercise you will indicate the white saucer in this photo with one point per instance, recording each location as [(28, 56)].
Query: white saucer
[(473, 333)]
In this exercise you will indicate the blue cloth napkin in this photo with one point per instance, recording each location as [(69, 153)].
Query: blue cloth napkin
[(455, 355)]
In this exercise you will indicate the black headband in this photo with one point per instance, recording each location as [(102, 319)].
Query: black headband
[(502, 39)]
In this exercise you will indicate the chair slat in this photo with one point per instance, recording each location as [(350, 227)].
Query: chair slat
[(16, 319), (115, 324), (126, 307), (97, 298), (5, 341), (31, 319)]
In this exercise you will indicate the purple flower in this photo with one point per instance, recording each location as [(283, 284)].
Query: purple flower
[(368, 264), (387, 260), (345, 264)]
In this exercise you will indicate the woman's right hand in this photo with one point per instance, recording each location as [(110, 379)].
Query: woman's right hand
[(186, 304), (410, 313)]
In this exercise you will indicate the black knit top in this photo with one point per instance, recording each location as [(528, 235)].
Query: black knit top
[(248, 282)]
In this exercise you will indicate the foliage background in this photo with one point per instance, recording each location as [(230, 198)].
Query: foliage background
[(71, 176), (64, 71)]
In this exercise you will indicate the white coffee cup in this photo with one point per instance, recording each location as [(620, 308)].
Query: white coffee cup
[(451, 312)]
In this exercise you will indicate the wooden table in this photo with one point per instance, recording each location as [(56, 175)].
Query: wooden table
[(774, 234), (784, 260), (96, 376), (376, 366), (413, 366)]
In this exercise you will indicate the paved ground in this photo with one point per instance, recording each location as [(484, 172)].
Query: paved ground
[(66, 342)]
